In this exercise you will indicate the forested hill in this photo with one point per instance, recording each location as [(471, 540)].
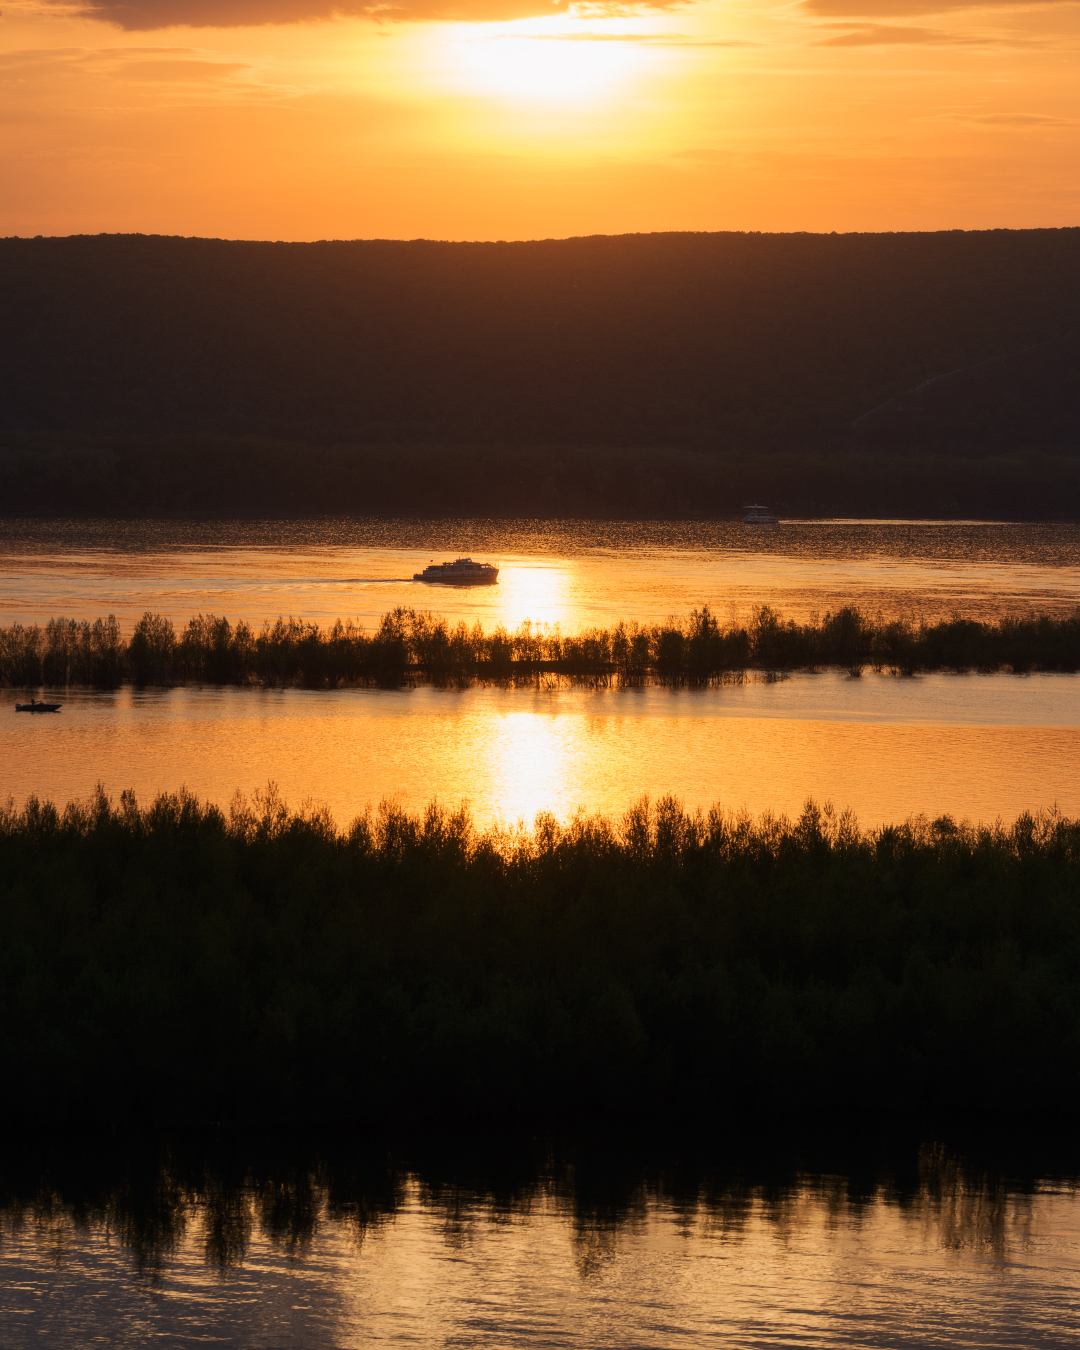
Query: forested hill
[(732, 342)]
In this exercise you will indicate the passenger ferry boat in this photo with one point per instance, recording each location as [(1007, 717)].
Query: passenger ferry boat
[(460, 572), (758, 515)]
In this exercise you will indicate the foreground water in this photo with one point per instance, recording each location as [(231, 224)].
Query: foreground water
[(854, 1244)]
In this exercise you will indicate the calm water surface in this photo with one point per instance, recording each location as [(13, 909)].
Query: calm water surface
[(926, 1248), (360, 1249), (971, 746), (571, 572)]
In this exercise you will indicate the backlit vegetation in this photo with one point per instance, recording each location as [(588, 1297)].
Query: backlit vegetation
[(412, 646), (179, 963)]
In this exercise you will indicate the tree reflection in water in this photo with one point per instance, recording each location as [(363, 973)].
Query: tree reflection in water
[(151, 1194)]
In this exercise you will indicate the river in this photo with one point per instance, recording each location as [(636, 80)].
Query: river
[(973, 746), (575, 573), (846, 1242), (497, 1242)]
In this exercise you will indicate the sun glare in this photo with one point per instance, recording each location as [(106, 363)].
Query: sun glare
[(528, 61)]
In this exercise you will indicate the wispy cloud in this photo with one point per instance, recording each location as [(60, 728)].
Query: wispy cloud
[(1002, 119), (893, 35), (157, 66), (182, 71), (888, 9), (643, 39), (1020, 120), (147, 15)]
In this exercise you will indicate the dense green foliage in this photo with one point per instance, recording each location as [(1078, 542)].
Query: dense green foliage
[(178, 963), (411, 645), (68, 475), (725, 341)]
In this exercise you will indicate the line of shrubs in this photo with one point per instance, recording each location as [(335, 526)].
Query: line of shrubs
[(179, 963), (410, 645)]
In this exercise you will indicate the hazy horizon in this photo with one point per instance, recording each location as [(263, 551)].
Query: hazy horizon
[(306, 119)]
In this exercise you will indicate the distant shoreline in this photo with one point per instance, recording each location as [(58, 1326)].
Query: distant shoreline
[(64, 476)]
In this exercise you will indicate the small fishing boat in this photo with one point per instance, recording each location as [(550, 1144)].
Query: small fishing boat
[(460, 572), (758, 515), (35, 706)]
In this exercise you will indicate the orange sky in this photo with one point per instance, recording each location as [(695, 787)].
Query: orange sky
[(488, 119)]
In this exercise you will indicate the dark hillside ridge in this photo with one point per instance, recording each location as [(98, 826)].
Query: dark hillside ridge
[(1031, 395), (733, 342)]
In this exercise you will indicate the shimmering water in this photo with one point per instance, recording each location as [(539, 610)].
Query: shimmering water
[(615, 1248), (570, 572), (766, 1246), (972, 746)]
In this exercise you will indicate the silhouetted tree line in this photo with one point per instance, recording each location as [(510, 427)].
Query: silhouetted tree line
[(65, 651), (724, 341), (411, 645), (181, 964), (60, 474)]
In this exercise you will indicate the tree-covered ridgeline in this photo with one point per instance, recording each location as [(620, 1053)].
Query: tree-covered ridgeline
[(410, 646), (673, 375), (727, 341), (179, 964)]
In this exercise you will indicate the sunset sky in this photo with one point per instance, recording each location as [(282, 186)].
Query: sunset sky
[(509, 119)]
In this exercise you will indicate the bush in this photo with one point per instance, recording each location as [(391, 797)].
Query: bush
[(180, 963)]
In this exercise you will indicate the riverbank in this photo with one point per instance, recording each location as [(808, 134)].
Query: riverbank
[(46, 475)]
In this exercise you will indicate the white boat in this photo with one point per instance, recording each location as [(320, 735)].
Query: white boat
[(758, 515), (460, 572)]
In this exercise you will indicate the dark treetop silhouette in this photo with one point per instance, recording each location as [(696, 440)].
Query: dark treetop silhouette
[(179, 964)]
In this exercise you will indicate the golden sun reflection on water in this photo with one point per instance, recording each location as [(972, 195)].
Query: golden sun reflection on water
[(511, 753), (534, 762), (542, 592), (571, 573), (972, 746), (825, 1261)]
